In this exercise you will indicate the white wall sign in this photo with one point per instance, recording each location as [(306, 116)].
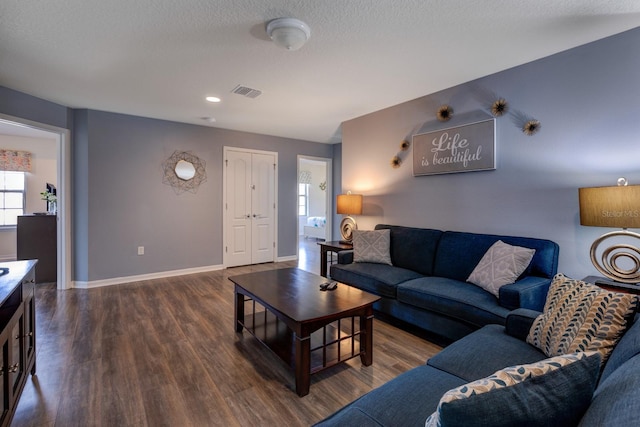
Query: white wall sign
[(464, 148)]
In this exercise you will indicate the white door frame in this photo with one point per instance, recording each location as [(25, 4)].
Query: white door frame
[(329, 197), (63, 244), (226, 149)]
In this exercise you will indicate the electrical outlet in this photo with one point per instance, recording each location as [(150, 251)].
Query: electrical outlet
[(140, 250)]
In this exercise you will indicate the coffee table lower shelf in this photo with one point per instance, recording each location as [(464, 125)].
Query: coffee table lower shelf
[(334, 343)]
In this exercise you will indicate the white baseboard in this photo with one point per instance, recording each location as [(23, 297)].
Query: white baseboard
[(287, 258), (141, 277)]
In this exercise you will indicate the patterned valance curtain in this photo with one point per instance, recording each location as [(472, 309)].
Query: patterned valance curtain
[(305, 177), (14, 160)]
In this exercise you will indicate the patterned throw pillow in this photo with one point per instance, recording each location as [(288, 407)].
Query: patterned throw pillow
[(501, 264), (552, 392), (372, 246), (579, 316)]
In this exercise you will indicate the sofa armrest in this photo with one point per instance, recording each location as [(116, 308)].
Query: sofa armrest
[(519, 322), (345, 257), (529, 292)]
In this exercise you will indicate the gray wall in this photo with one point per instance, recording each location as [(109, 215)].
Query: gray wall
[(121, 202), (21, 105), (80, 200), (587, 100)]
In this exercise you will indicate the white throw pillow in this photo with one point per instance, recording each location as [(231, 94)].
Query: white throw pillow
[(372, 246), (501, 265)]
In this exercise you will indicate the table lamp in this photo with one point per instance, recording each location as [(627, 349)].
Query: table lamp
[(348, 204), (616, 207)]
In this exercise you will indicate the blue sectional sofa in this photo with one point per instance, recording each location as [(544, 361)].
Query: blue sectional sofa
[(409, 399), (426, 284)]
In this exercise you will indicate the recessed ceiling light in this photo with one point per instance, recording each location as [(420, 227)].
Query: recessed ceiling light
[(213, 99)]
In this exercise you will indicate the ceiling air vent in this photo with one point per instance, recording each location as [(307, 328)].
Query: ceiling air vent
[(247, 91)]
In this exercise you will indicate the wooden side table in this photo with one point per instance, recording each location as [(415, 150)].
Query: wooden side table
[(333, 247), (613, 286)]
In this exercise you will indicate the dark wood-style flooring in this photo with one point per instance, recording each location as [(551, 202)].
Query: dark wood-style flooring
[(164, 353)]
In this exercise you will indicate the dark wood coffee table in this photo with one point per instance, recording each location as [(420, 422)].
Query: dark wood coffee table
[(307, 328)]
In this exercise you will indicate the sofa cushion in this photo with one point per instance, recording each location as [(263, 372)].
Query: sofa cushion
[(615, 401), (350, 416), (579, 316), (407, 400), (413, 248), (371, 246), (379, 279), (459, 253), (491, 345), (500, 265), (453, 298), (552, 392)]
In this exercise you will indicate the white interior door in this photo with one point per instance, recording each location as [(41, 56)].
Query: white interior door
[(250, 207), (238, 208), (263, 207)]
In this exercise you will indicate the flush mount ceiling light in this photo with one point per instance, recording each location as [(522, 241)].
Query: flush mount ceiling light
[(289, 33), (213, 99)]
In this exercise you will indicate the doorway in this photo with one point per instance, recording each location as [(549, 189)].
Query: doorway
[(314, 213), (250, 206), (60, 137)]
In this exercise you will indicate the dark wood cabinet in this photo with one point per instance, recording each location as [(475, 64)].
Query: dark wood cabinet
[(17, 334), (37, 240)]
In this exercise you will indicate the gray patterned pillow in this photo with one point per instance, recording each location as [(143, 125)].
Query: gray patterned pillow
[(372, 246), (501, 265)]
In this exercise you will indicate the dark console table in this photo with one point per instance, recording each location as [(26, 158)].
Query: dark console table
[(37, 240), (613, 286), (17, 334)]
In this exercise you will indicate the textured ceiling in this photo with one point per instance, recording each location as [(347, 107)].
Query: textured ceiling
[(160, 58)]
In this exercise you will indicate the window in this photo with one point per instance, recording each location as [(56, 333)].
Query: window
[(303, 199), (11, 197)]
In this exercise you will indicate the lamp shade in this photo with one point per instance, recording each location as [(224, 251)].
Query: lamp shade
[(616, 206), (349, 204)]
